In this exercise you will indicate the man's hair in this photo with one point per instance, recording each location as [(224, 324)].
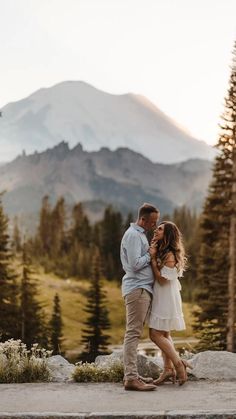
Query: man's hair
[(146, 209)]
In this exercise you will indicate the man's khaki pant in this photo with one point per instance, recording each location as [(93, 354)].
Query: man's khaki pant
[(137, 304)]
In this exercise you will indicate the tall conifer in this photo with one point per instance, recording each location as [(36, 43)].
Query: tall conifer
[(16, 237), (33, 326), (56, 327), (215, 321), (111, 234), (9, 311), (58, 228), (94, 336), (81, 229), (44, 229)]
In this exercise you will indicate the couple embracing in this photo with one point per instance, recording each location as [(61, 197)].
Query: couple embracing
[(151, 292)]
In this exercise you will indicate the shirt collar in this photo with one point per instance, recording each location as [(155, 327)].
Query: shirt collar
[(137, 227)]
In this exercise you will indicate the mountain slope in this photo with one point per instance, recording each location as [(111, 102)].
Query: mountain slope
[(122, 177), (77, 112)]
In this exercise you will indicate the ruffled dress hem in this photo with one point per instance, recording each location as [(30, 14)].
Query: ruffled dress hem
[(175, 323)]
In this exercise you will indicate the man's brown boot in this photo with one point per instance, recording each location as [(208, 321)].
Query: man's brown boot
[(138, 385)]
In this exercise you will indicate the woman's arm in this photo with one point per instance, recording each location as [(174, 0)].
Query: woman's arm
[(154, 265), (170, 260), (156, 272)]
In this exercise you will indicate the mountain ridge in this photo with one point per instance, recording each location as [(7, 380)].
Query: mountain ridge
[(123, 178)]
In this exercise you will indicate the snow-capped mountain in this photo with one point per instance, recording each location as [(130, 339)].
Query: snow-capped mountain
[(77, 112)]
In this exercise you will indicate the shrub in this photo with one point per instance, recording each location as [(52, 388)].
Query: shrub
[(19, 365), (89, 372)]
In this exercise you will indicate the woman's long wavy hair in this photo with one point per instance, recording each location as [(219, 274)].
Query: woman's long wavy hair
[(172, 242)]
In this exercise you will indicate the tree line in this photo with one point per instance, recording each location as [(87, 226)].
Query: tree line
[(65, 241), (21, 314)]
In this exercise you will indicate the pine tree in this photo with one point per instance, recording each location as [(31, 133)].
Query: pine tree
[(212, 295), (33, 328), (9, 310), (111, 234), (230, 131), (44, 229), (80, 240), (231, 327), (215, 321), (129, 219), (16, 237), (94, 335), (188, 223), (58, 229), (186, 220), (56, 327), (81, 229)]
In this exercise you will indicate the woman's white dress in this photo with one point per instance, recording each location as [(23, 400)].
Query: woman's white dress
[(166, 311)]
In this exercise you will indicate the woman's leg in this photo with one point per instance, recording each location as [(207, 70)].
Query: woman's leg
[(168, 373), (167, 361), (159, 338), (165, 343)]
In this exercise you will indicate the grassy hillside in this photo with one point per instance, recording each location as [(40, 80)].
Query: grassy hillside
[(73, 300)]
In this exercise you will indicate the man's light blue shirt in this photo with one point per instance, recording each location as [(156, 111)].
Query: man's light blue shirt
[(135, 260)]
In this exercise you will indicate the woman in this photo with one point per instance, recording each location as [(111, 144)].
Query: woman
[(168, 263)]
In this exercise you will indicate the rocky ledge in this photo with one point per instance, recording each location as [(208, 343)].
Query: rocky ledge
[(211, 365)]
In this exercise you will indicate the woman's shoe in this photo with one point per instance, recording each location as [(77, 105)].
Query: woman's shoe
[(181, 373), (168, 374)]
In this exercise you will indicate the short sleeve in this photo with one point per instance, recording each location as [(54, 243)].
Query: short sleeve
[(169, 273)]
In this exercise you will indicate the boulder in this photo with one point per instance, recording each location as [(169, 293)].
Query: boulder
[(108, 360), (214, 365), (61, 370), (147, 366)]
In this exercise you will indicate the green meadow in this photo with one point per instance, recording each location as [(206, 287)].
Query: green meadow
[(72, 293)]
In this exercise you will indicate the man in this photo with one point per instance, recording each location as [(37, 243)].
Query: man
[(137, 286)]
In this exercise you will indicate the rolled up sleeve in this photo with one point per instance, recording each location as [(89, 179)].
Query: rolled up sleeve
[(134, 254)]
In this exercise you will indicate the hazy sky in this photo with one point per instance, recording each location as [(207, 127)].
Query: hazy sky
[(175, 52)]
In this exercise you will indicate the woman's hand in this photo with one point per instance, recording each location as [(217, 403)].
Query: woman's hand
[(154, 241), (153, 251)]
